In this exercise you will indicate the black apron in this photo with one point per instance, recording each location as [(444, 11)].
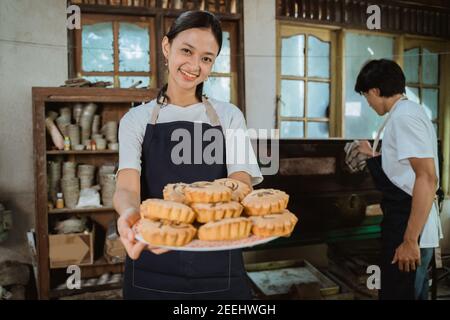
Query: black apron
[(181, 274), (396, 207)]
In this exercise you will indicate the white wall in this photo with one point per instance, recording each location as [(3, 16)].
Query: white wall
[(33, 52), (260, 63)]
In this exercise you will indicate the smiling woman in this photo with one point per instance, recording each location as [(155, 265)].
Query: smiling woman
[(147, 165)]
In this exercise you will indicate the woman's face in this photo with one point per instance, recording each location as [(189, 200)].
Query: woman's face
[(190, 57)]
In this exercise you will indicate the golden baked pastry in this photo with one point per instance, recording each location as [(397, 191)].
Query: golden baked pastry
[(166, 233), (280, 224), (207, 212), (175, 192), (206, 192), (167, 210), (239, 189), (226, 229), (265, 201)]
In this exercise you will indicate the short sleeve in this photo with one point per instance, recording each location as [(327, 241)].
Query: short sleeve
[(413, 138), (239, 151), (131, 136)]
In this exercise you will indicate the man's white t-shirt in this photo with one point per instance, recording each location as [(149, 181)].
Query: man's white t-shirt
[(409, 133), (237, 142)]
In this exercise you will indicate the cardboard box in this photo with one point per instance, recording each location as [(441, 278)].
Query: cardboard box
[(71, 249)]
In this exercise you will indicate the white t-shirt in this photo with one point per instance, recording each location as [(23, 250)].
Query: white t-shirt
[(409, 133), (237, 142)]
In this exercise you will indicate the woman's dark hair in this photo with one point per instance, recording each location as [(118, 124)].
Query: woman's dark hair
[(189, 20), (383, 74)]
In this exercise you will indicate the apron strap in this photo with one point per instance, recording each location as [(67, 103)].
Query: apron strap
[(210, 112), (380, 130), (155, 113)]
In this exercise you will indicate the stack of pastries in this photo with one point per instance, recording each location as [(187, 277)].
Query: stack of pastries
[(221, 210)]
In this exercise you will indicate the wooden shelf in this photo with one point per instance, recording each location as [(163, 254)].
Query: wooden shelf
[(112, 105), (101, 262), (81, 211), (84, 152), (55, 293)]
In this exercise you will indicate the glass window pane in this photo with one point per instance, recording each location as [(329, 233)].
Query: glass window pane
[(430, 102), (218, 88), (318, 99), (134, 51), (430, 67), (98, 79), (413, 94), (292, 98), (318, 58), (223, 61), (291, 129), (411, 65), (318, 130), (97, 47), (292, 56), (127, 82), (360, 120)]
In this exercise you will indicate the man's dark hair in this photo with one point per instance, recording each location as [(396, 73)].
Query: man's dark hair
[(383, 74)]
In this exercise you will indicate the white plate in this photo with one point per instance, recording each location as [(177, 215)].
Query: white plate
[(200, 245)]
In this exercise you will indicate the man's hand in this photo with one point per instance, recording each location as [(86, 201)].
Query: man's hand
[(365, 148), (407, 255), (133, 247)]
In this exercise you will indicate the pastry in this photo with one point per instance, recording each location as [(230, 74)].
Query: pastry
[(207, 212), (206, 192), (280, 224), (239, 189), (175, 192), (168, 210), (226, 229), (166, 233), (265, 201)]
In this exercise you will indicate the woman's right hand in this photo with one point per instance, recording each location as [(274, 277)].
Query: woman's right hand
[(133, 247), (124, 225)]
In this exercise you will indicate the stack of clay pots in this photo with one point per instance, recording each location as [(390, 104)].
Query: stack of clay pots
[(107, 179), (63, 121), (70, 184), (86, 174), (87, 117), (54, 177)]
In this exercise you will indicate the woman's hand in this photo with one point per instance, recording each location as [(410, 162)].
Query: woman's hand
[(133, 247)]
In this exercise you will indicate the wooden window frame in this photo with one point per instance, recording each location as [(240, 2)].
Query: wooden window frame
[(286, 29), (230, 27), (434, 47), (148, 22), (396, 54), (401, 41), (231, 12)]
